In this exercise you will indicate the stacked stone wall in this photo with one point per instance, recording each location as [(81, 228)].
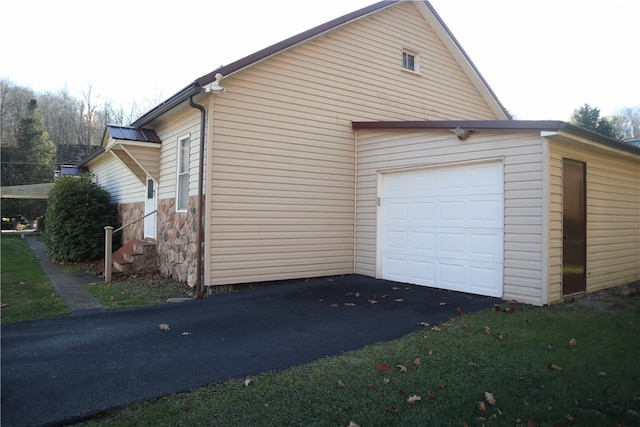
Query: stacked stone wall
[(128, 212), (177, 241)]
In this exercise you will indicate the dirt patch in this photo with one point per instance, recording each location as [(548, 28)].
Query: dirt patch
[(609, 299)]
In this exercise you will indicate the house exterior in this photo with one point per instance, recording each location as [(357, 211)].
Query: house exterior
[(279, 165)]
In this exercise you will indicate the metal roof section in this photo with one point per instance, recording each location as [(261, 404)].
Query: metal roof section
[(547, 126), (129, 133)]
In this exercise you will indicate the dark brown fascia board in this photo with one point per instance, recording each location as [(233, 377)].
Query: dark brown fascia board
[(500, 125), (292, 41), (169, 104), (537, 125)]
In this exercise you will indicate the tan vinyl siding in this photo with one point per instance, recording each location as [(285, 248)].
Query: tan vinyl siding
[(186, 121), (282, 184), (613, 217), (123, 186), (521, 155)]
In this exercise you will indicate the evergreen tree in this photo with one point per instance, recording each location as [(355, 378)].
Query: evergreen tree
[(588, 117), (34, 160)]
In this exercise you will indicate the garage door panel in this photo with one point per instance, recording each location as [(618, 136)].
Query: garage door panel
[(447, 224), (483, 246), (423, 272), (423, 211), (397, 240), (451, 274), (423, 242)]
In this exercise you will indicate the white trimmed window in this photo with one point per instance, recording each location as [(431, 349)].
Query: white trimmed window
[(410, 61), (182, 184)]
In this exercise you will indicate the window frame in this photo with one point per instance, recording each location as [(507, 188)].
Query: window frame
[(416, 60), (182, 190)]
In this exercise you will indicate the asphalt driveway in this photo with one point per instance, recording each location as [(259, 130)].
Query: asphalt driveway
[(62, 370)]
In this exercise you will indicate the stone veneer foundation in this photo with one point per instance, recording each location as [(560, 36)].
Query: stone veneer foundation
[(176, 239), (128, 212)]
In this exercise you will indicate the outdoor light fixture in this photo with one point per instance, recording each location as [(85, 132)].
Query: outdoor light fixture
[(462, 134), (215, 87)]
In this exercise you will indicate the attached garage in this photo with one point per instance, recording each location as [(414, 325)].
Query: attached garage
[(443, 227), (484, 207)]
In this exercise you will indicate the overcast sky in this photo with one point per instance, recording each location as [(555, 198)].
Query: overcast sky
[(542, 58)]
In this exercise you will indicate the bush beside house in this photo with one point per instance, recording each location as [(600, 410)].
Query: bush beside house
[(77, 212)]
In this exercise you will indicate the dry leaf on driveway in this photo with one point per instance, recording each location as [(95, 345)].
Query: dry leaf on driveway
[(164, 326)]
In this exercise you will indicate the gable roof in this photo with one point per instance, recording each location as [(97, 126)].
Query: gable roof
[(226, 70)]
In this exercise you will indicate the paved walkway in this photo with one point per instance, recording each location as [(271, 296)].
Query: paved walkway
[(70, 286)]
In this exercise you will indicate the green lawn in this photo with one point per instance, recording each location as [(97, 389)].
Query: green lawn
[(137, 291), (526, 359), (25, 289)]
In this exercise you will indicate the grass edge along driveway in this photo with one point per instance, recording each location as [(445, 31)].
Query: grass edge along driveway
[(566, 364), (27, 293)]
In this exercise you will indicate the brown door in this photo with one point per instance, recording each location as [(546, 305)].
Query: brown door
[(574, 227)]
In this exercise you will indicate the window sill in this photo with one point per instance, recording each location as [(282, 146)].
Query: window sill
[(415, 73)]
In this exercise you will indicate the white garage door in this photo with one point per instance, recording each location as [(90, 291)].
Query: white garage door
[(443, 227)]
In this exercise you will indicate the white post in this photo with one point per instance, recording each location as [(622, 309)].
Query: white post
[(108, 236)]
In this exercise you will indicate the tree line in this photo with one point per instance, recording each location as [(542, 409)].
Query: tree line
[(41, 131)]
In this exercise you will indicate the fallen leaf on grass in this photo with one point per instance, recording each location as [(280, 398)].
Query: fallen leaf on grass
[(402, 368), (391, 410), (164, 326), (573, 342), (352, 424), (425, 324), (436, 328), (510, 309), (386, 380), (500, 336), (489, 398), (384, 367), (413, 399), (416, 361), (247, 382), (460, 310), (487, 330), (433, 396), (482, 407), (3, 305), (340, 384), (554, 367)]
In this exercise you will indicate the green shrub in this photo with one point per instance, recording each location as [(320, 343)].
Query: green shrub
[(77, 212)]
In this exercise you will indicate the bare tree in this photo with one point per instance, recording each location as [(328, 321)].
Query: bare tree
[(627, 122)]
